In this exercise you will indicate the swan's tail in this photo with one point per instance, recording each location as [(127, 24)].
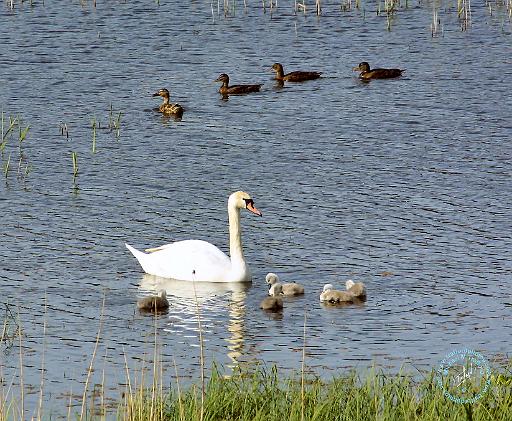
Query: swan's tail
[(140, 256)]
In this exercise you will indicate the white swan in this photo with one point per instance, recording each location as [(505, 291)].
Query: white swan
[(197, 260)]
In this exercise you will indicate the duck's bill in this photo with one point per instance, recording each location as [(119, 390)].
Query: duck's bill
[(156, 94), (253, 209), (356, 69)]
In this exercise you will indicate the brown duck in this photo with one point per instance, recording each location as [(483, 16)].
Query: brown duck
[(225, 89), (297, 76), (366, 73), (167, 108)]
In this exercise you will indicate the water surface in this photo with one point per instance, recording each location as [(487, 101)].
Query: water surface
[(402, 184)]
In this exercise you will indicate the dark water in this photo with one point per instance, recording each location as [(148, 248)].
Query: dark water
[(402, 184)]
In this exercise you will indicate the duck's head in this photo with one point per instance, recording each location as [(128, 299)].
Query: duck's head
[(272, 278), (328, 287), (277, 67), (242, 200), (349, 284), (223, 77), (363, 67), (164, 93)]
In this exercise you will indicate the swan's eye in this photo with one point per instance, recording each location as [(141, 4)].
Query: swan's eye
[(249, 202)]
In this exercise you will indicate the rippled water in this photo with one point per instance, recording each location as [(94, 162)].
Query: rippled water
[(402, 184)]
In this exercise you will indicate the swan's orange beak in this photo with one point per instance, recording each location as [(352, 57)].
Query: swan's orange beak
[(253, 209)]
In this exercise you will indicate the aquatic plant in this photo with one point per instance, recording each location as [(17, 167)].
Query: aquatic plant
[(22, 132), (64, 130), (436, 21), (11, 328), (300, 6), (94, 125), (117, 125), (7, 132), (464, 13), (23, 172), (263, 394), (259, 393), (114, 124), (74, 158), (110, 117), (6, 165), (91, 364), (346, 5), (228, 8), (201, 348)]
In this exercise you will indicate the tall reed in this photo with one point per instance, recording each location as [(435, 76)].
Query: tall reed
[(41, 386), (464, 13), (436, 22), (11, 328), (22, 133), (6, 165), (201, 346), (74, 158), (302, 371), (22, 386), (90, 370), (94, 125), (7, 131), (114, 124), (64, 131)]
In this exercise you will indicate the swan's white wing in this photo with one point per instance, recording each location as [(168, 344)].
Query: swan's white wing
[(178, 261), (153, 249)]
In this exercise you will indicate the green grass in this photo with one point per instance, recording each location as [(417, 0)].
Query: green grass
[(266, 395)]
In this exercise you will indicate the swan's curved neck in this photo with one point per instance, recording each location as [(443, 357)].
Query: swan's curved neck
[(235, 237)]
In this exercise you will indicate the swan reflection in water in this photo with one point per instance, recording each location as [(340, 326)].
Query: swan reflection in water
[(212, 298)]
